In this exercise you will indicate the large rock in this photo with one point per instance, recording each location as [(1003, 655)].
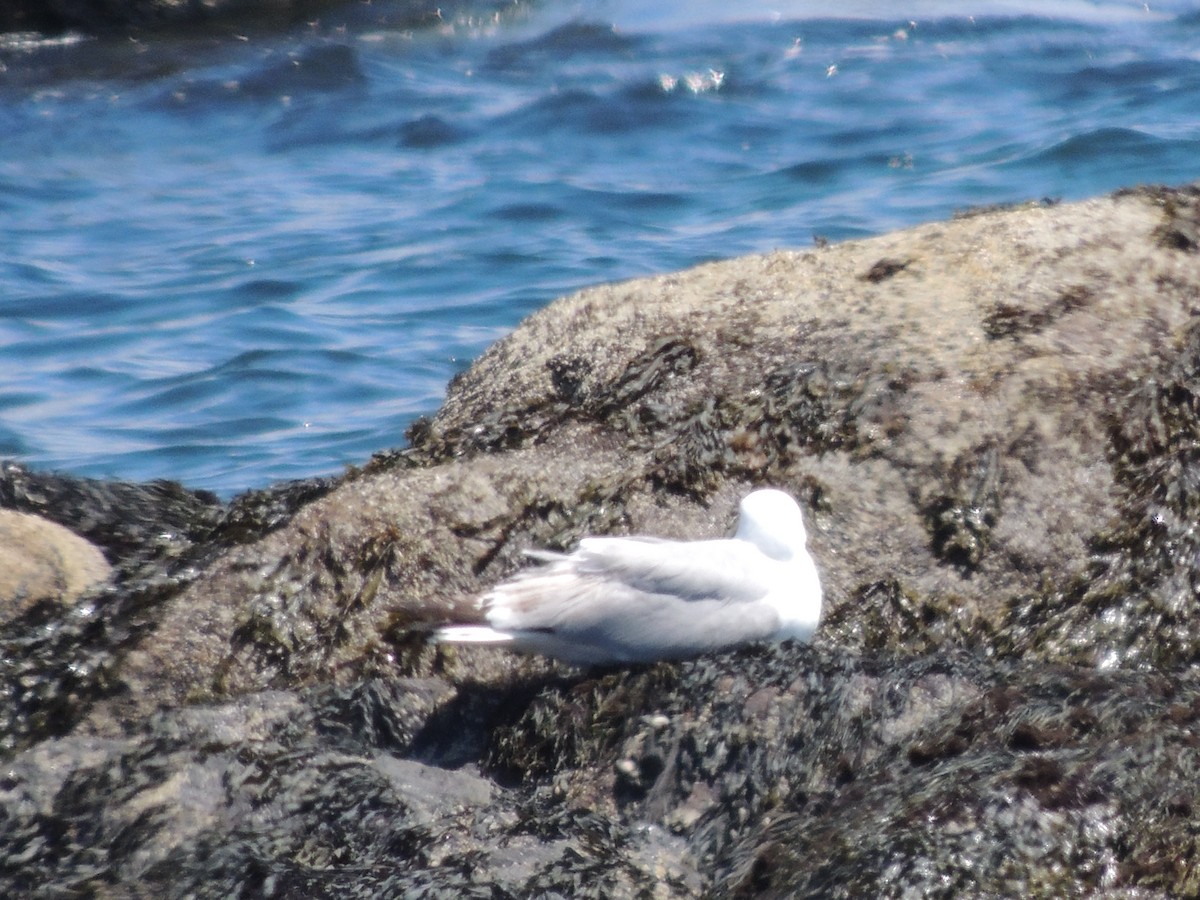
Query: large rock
[(792, 772), (220, 16), (106, 15), (42, 562), (993, 424), (977, 414)]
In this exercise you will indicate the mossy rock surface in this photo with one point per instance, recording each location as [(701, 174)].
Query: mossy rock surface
[(993, 426)]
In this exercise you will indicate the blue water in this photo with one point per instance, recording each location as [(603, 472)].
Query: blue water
[(230, 260)]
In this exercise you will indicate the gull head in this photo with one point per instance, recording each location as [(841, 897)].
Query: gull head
[(771, 521)]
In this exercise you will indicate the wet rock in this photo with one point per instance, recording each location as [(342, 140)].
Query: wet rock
[(128, 521), (992, 425), (772, 771), (41, 562), (220, 16), (1029, 781), (104, 15), (158, 537)]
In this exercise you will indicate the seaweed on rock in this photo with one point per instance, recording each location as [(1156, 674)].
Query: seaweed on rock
[(885, 617), (1139, 604), (1046, 784), (251, 708), (572, 396), (961, 516)]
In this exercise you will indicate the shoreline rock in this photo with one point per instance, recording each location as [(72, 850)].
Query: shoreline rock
[(41, 562), (221, 17), (993, 425)]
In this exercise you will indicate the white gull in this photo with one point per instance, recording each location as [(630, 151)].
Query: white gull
[(642, 599)]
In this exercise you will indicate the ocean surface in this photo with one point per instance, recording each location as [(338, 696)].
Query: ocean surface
[(234, 258)]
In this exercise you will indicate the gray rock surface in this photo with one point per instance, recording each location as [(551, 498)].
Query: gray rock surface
[(42, 562), (992, 423)]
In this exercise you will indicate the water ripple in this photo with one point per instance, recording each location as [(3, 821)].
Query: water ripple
[(231, 262)]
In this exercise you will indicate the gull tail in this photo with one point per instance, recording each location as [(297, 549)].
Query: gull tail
[(471, 634), (545, 556)]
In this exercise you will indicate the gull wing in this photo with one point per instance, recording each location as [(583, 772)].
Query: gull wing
[(633, 599), (729, 570)]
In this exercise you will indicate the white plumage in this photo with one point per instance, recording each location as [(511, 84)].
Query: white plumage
[(642, 599)]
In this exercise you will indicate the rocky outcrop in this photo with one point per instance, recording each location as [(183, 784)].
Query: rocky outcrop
[(54, 16), (41, 562), (221, 16), (992, 423)]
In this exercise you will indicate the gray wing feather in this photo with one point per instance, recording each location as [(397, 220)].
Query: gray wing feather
[(696, 570), (639, 599)]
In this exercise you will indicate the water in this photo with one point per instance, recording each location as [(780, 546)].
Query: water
[(233, 260)]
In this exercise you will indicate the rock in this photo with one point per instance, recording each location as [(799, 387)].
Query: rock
[(130, 521), (104, 15), (108, 16), (955, 430), (160, 536), (992, 423), (41, 562), (783, 771)]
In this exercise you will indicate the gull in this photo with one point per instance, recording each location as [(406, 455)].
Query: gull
[(616, 600)]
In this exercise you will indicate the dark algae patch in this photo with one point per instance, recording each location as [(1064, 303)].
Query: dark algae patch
[(1136, 605)]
